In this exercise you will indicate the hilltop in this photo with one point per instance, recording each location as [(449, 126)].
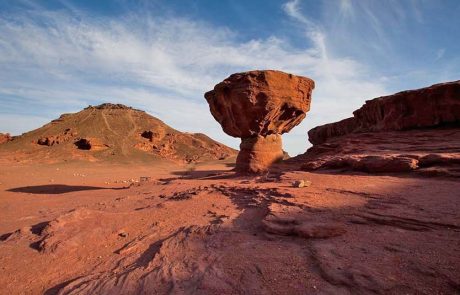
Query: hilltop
[(112, 132)]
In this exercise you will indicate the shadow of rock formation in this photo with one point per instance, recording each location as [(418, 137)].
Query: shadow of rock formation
[(55, 189)]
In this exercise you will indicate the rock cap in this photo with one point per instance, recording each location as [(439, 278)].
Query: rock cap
[(261, 102)]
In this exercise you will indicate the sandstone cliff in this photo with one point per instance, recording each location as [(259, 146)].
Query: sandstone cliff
[(416, 130)]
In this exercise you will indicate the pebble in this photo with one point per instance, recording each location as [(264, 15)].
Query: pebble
[(301, 183)]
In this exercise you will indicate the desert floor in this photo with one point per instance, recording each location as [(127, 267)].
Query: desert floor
[(89, 229)]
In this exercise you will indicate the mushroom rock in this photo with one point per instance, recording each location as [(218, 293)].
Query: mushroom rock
[(259, 106)]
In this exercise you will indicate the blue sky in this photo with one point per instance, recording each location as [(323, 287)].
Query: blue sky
[(161, 56)]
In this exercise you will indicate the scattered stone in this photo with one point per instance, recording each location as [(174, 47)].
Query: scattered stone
[(123, 234)]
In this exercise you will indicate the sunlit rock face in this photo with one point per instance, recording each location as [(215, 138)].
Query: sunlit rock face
[(427, 107), (259, 106), (411, 131)]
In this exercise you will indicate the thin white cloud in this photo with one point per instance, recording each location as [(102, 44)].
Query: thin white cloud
[(417, 10), (342, 84), (440, 53), (163, 66), (312, 30), (346, 8)]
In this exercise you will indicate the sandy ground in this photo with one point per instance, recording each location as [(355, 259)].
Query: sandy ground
[(89, 229)]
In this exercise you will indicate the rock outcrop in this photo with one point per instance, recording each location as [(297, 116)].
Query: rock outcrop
[(5, 137), (416, 130), (428, 107), (259, 106), (188, 147), (66, 135), (93, 144)]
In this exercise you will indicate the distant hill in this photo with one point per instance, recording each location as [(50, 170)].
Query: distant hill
[(112, 132)]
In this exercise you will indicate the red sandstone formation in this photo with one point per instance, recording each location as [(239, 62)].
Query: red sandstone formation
[(416, 130), (259, 106), (5, 137), (94, 144), (186, 147), (51, 140), (427, 107)]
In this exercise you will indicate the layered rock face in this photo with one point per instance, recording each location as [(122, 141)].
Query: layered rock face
[(422, 108), (259, 152), (416, 130), (259, 106)]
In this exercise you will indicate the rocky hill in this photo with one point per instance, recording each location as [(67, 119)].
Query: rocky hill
[(112, 132), (416, 130)]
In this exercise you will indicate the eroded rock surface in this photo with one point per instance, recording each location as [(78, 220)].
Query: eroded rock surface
[(259, 106), (427, 107), (417, 130), (94, 144), (343, 234), (64, 136)]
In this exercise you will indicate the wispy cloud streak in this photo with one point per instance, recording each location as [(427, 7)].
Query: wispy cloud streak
[(61, 61)]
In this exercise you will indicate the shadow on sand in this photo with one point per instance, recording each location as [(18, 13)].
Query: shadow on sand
[(55, 189), (206, 174)]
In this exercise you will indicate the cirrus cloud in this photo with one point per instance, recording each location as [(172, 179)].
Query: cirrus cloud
[(61, 61)]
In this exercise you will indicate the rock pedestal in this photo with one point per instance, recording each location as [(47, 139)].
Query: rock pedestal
[(258, 153), (259, 106)]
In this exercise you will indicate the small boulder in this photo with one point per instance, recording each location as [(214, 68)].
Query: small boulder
[(301, 183), (123, 234)]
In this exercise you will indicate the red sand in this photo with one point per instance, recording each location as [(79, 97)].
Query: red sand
[(71, 229)]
